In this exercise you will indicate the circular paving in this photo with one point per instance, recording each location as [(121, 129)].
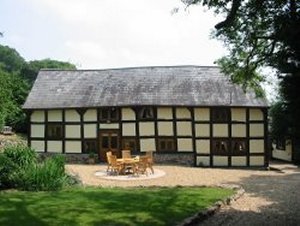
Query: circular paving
[(129, 177)]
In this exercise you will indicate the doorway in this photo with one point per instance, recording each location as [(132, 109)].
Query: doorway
[(109, 141)]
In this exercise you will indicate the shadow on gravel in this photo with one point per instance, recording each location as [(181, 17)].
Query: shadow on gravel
[(278, 197)]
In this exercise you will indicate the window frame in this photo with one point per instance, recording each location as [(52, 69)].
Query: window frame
[(239, 152), (220, 114), (280, 144), (146, 113), (109, 111), (86, 150), (124, 140), (49, 133), (167, 141), (218, 151)]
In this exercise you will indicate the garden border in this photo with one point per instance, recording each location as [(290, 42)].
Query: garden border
[(210, 211)]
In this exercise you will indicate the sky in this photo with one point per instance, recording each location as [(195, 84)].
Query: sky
[(97, 34)]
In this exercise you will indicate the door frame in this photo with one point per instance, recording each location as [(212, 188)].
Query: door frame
[(100, 150)]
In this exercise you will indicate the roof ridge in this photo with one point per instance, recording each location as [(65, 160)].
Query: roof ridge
[(122, 68)]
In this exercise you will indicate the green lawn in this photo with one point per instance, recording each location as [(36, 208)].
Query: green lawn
[(106, 206)]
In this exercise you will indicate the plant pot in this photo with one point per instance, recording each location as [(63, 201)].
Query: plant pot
[(91, 161)]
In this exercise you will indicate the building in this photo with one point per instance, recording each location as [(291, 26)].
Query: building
[(185, 114)]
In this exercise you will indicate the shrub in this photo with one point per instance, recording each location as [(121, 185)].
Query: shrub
[(13, 161), (19, 168), (46, 176)]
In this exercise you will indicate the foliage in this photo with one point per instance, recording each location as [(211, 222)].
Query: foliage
[(31, 69), (290, 91), (280, 121), (107, 206), (20, 169), (16, 78), (46, 176), (13, 91), (10, 59), (13, 161), (258, 34)]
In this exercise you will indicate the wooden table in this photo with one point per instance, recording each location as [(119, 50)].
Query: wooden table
[(127, 164)]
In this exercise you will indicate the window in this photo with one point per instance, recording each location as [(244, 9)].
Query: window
[(239, 147), (220, 147), (109, 114), (129, 144), (55, 131), (166, 144), (280, 144), (146, 113), (220, 115), (90, 146)]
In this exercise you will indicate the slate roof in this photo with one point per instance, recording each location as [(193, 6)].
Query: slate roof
[(160, 86)]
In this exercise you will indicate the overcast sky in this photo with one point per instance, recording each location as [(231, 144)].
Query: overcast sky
[(110, 33)]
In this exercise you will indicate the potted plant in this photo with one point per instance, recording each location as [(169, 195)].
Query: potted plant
[(91, 159)]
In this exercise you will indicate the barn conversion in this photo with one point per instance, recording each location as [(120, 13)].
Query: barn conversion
[(185, 114)]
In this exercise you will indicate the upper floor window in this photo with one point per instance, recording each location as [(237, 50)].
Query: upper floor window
[(54, 131), (109, 114), (220, 115), (146, 113)]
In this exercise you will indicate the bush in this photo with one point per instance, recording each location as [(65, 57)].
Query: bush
[(47, 176), (13, 161), (20, 169)]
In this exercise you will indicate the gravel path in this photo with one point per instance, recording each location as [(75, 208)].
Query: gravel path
[(271, 197)]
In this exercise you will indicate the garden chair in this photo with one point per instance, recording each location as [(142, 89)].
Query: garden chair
[(126, 154), (141, 166), (115, 166), (149, 154), (108, 154)]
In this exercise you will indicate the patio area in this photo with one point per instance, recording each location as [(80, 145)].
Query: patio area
[(166, 175)]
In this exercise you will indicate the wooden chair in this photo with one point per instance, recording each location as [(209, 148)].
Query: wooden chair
[(115, 167), (141, 166), (108, 154), (149, 154), (126, 154)]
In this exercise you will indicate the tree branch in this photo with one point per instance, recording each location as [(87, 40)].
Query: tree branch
[(231, 15)]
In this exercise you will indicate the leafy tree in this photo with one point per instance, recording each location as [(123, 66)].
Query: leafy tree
[(16, 78), (10, 59), (31, 69), (260, 33), (13, 91)]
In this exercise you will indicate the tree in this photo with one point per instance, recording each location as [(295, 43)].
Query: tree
[(260, 33), (31, 69), (16, 78), (10, 59)]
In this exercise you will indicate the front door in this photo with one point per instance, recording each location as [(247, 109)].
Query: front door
[(109, 141)]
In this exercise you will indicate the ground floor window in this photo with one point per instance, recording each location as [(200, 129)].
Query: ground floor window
[(90, 146), (166, 144), (239, 146), (129, 144), (280, 144), (220, 147)]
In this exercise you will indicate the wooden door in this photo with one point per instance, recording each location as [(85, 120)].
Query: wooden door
[(109, 141)]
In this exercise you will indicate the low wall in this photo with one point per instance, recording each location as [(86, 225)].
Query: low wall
[(186, 159)]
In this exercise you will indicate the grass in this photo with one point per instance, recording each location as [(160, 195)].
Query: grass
[(106, 206)]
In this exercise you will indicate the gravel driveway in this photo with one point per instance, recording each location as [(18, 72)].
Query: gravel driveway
[(271, 197)]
